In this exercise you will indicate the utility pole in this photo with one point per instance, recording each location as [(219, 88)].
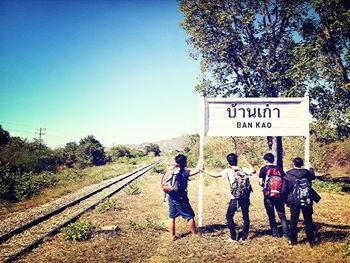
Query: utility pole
[(41, 133)]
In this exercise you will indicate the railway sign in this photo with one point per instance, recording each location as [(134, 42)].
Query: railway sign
[(256, 117), (252, 117)]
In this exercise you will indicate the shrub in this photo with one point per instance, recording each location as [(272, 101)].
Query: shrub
[(160, 168), (330, 186), (347, 249), (79, 231), (106, 205), (132, 188)]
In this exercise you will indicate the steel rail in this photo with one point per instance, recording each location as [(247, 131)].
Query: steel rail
[(34, 244)]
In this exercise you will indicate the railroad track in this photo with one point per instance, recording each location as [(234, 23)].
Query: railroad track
[(24, 238)]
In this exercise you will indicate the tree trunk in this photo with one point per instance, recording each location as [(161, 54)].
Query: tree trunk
[(275, 146)]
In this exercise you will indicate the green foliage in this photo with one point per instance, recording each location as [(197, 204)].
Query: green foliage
[(275, 48), (243, 48), (70, 153), (132, 188), (160, 168), (330, 186), (72, 175), (122, 152), (106, 205), (149, 224), (79, 231), (18, 185), (347, 249), (152, 148), (29, 156), (90, 152), (4, 136)]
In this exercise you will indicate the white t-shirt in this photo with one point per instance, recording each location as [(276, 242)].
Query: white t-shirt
[(229, 174)]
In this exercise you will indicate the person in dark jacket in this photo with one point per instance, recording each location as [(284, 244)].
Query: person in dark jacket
[(272, 204), (291, 178)]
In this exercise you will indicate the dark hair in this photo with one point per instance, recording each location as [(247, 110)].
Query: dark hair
[(181, 160), (298, 162), (232, 159), (269, 157)]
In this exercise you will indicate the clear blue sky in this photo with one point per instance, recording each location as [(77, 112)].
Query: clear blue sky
[(118, 70)]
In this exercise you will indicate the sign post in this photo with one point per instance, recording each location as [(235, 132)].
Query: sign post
[(201, 160), (252, 117)]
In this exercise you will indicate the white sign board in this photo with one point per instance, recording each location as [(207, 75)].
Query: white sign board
[(252, 117), (256, 117)]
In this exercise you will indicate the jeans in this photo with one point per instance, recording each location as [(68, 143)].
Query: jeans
[(232, 208), (309, 225), (270, 205)]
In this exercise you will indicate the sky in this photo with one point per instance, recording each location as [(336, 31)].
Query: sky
[(119, 70)]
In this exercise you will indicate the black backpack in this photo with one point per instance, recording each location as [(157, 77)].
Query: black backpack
[(241, 187), (302, 193)]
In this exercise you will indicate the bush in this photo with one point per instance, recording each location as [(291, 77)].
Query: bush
[(330, 186), (132, 189), (79, 231), (347, 249), (18, 186), (106, 205), (160, 168)]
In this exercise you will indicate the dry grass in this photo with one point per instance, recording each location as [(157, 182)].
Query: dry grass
[(140, 235)]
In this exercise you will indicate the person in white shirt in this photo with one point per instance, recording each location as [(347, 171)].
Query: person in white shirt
[(240, 193)]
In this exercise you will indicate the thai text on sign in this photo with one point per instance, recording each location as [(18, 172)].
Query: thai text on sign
[(256, 117)]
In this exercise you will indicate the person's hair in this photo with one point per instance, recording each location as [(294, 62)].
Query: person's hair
[(298, 162), (181, 160), (269, 157), (232, 159)]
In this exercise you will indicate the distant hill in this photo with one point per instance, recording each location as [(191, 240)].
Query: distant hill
[(173, 144)]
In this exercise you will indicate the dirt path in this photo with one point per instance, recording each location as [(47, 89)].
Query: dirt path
[(141, 234)]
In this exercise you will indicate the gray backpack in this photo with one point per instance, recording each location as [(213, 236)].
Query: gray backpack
[(241, 187)]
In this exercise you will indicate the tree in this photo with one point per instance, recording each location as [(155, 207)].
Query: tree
[(322, 59), (245, 47), (90, 152), (70, 153), (154, 148), (4, 136)]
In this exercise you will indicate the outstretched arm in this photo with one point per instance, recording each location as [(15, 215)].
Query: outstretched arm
[(253, 171), (212, 174)]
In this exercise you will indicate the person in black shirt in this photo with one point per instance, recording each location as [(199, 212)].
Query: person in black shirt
[(271, 203), (291, 178)]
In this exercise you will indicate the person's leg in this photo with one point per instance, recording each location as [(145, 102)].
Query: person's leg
[(282, 215), (232, 208), (171, 227), (294, 217), (173, 213), (245, 214), (309, 225), (271, 214), (192, 226)]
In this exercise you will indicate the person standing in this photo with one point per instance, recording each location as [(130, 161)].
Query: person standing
[(179, 204), (298, 183), (240, 194), (272, 176)]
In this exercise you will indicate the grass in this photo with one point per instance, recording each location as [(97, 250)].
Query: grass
[(142, 235)]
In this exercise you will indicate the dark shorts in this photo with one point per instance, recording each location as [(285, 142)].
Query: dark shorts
[(180, 208)]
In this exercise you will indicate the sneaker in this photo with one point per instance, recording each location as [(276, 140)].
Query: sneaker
[(275, 232), (244, 238), (230, 240)]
